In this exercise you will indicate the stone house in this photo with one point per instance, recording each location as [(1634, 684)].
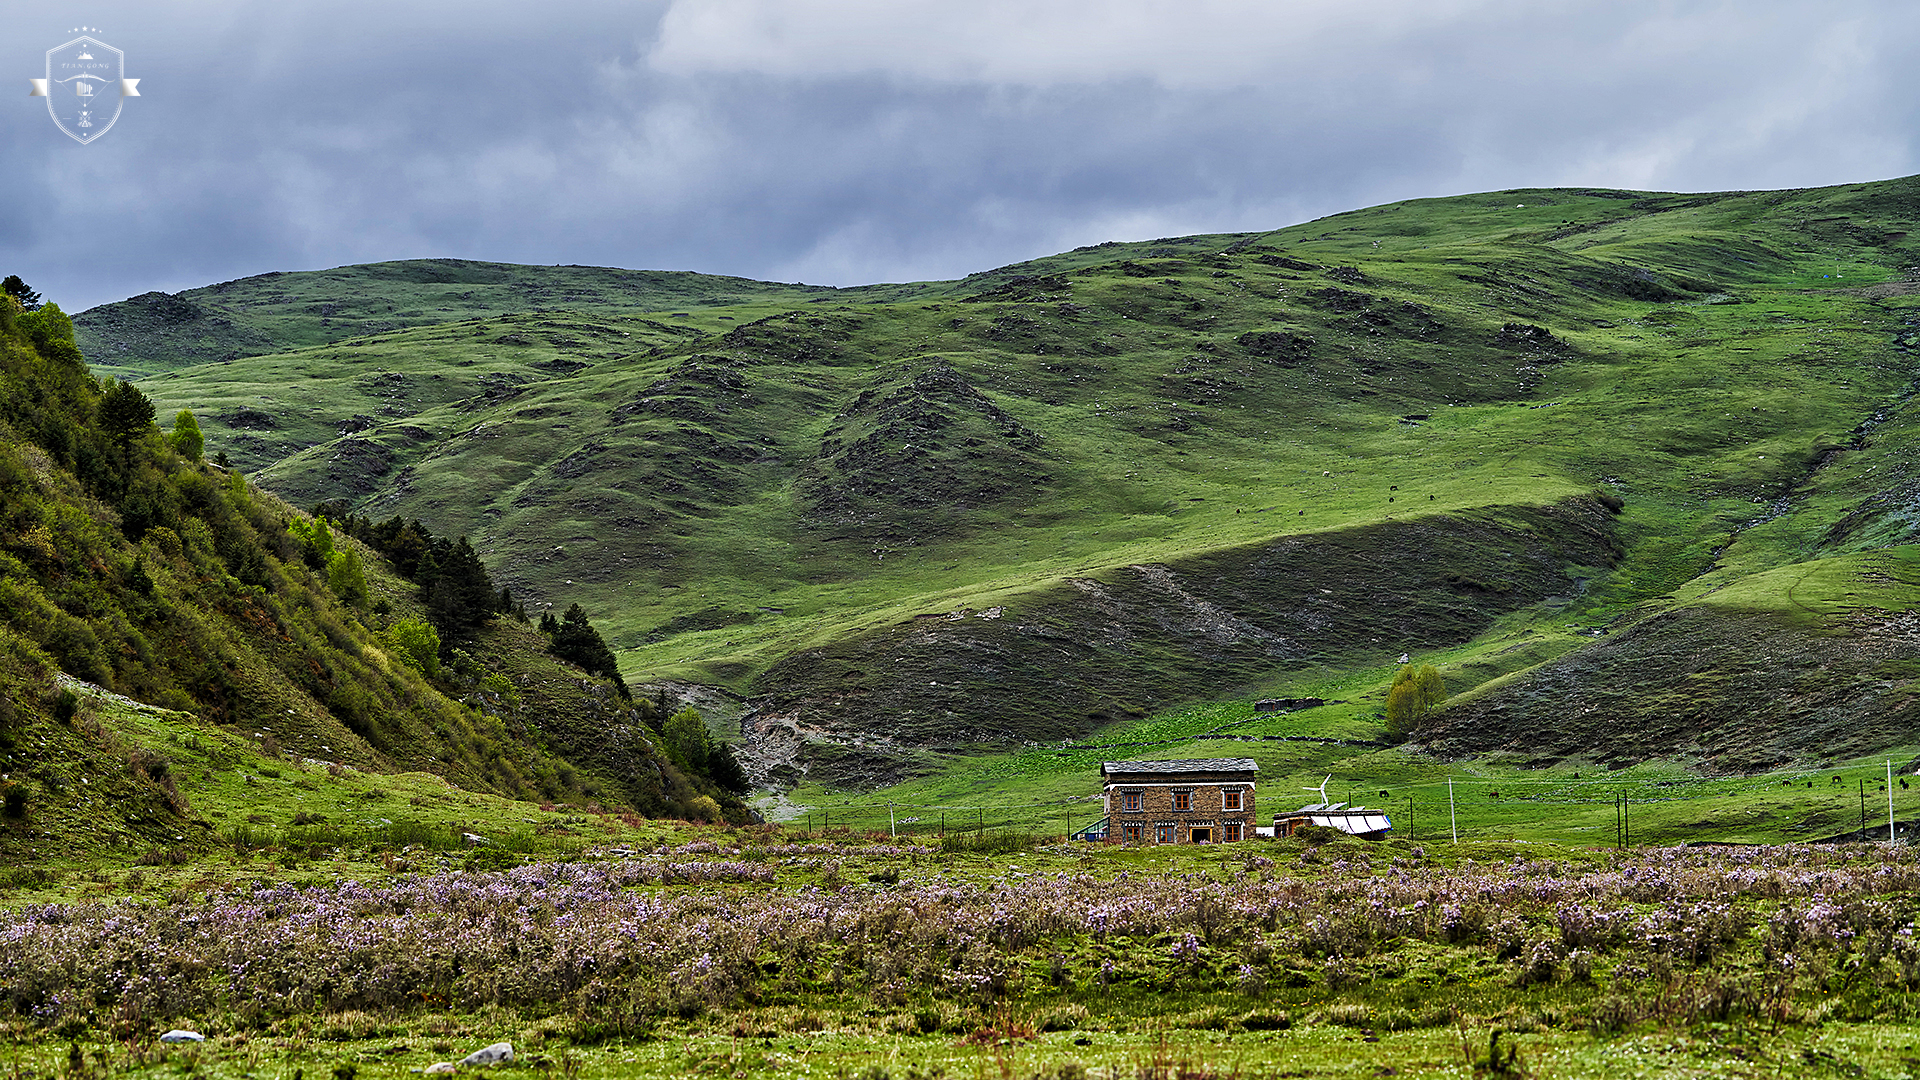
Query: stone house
[(1195, 801)]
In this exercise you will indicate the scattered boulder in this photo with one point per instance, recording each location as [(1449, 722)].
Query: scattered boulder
[(1339, 299), (499, 1053), (1287, 704), (1286, 263), (247, 419), (440, 1067), (179, 1036), (1025, 289), (1276, 347)]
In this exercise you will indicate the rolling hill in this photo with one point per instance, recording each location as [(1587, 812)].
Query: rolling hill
[(1612, 429)]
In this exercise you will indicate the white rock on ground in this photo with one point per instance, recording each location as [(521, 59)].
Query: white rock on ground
[(179, 1036), (441, 1067), (497, 1054)]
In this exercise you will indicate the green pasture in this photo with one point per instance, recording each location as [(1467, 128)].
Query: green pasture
[(1197, 1038)]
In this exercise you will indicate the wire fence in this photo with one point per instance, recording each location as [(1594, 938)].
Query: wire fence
[(1859, 800)]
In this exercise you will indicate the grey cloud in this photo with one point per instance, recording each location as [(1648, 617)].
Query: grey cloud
[(714, 136)]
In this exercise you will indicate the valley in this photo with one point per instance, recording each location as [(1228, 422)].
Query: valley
[(1190, 469)]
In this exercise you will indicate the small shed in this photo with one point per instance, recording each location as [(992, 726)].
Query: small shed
[(1352, 820)]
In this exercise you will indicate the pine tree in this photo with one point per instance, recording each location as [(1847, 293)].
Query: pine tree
[(577, 642), (125, 412), (460, 599), (724, 768), (14, 287)]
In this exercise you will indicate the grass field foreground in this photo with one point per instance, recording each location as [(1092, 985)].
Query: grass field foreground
[(755, 952)]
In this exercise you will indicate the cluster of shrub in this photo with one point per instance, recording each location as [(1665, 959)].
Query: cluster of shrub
[(461, 598), (459, 592)]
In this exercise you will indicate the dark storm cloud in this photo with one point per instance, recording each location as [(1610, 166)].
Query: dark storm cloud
[(848, 141)]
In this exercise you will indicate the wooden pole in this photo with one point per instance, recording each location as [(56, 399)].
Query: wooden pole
[(1889, 800), (1863, 810)]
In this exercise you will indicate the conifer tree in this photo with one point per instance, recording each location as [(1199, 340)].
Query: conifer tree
[(577, 642), (460, 598), (14, 287), (125, 412)]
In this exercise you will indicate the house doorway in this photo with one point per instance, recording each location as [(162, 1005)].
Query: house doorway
[(1202, 835)]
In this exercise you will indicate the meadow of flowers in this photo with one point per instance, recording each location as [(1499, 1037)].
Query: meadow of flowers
[(1260, 936)]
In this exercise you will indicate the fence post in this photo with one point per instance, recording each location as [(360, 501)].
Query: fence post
[(1453, 815)]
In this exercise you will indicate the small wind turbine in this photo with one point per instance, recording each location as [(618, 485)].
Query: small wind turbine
[(1322, 789)]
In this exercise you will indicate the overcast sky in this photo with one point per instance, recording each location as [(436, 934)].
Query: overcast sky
[(853, 141)]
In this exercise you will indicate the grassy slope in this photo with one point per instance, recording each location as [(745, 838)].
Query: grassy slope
[(813, 478), (132, 574)]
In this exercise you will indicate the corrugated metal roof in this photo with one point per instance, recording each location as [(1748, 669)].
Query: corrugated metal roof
[(1357, 820), (1189, 765)]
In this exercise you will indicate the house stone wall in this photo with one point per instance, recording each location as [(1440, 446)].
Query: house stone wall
[(1157, 808)]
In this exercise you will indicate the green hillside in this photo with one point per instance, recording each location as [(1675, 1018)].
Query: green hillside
[(913, 520), (167, 630)]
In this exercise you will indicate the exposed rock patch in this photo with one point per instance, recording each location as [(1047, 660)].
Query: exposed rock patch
[(1739, 691)]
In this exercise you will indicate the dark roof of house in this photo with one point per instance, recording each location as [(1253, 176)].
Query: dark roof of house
[(1188, 765)]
